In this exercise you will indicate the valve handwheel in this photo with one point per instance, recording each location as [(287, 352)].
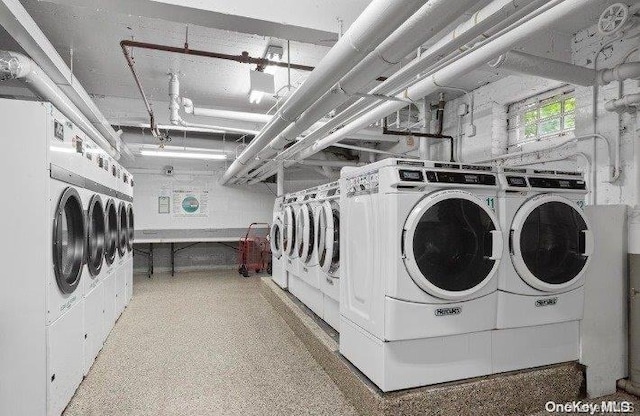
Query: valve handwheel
[(613, 19)]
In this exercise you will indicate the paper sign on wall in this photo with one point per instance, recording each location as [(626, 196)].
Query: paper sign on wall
[(190, 203)]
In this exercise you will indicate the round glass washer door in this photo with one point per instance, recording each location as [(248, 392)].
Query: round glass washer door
[(130, 227), (289, 231), (123, 233), (275, 237), (111, 232), (95, 235), (452, 244), (69, 235), (308, 235), (551, 243), (328, 239)]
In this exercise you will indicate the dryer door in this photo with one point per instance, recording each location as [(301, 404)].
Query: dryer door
[(95, 235), (307, 240), (452, 244), (328, 247), (290, 231), (69, 234), (123, 233), (275, 237), (111, 232), (550, 242)]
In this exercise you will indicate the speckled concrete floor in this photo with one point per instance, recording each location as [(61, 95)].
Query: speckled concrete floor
[(204, 343)]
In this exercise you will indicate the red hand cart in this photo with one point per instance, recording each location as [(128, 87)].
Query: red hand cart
[(254, 251)]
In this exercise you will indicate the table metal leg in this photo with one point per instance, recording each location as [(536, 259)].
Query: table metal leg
[(173, 260), (150, 259)]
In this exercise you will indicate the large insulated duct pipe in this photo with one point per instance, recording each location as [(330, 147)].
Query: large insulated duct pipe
[(14, 65), (485, 22), (376, 23), (525, 63), (189, 108), (449, 74), (419, 28)]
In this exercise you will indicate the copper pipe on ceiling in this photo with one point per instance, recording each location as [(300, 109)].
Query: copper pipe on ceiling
[(243, 58)]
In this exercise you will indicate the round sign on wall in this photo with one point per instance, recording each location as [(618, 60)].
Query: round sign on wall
[(190, 204)]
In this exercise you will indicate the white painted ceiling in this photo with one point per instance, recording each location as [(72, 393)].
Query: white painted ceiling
[(94, 28)]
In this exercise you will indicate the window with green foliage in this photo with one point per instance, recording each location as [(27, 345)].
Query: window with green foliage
[(545, 116)]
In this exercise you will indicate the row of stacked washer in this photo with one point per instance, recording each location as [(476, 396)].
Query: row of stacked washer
[(69, 232), (454, 271), (305, 246)]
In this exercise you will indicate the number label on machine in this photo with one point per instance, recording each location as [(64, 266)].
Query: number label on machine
[(491, 202)]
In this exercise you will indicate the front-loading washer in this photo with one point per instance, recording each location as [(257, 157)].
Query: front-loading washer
[(420, 248), (276, 235), (304, 282), (328, 251), (110, 255), (548, 242), (122, 257)]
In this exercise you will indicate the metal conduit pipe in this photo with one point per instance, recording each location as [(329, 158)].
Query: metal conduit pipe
[(419, 28), (376, 23), (487, 21), (465, 64), (14, 65), (374, 151), (628, 103), (329, 163), (525, 63)]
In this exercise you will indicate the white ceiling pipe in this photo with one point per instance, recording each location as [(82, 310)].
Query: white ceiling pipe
[(189, 108), (377, 21), (15, 19), (176, 119), (628, 103), (419, 28), (449, 74), (525, 63), (490, 19), (629, 70), (14, 65)]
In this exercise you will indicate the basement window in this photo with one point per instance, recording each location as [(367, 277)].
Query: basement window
[(544, 116)]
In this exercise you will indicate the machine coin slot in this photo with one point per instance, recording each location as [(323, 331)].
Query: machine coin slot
[(411, 175)]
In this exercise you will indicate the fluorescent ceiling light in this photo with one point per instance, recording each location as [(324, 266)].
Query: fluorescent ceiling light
[(63, 149), (182, 155)]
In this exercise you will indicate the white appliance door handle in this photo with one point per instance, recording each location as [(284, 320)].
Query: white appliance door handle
[(497, 245), (588, 242)]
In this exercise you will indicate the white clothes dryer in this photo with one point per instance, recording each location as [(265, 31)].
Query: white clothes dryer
[(549, 245), (421, 245), (276, 236)]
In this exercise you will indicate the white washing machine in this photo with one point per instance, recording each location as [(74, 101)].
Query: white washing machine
[(131, 230), (549, 245), (276, 235), (304, 281), (328, 251), (122, 257), (291, 208), (420, 249), (55, 262)]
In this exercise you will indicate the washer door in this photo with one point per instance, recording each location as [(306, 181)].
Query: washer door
[(95, 235), (452, 244), (308, 234), (111, 232), (123, 232), (328, 247), (276, 237), (290, 228), (130, 228), (69, 234), (550, 242)]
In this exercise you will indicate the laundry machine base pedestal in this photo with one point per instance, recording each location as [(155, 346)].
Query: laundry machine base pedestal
[(535, 346), (309, 295), (397, 365)]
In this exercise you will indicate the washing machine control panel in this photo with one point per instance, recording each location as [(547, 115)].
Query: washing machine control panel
[(467, 178), (363, 184)]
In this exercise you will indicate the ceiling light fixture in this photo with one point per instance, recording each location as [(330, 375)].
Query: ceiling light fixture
[(273, 53), (261, 84), (182, 155)]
